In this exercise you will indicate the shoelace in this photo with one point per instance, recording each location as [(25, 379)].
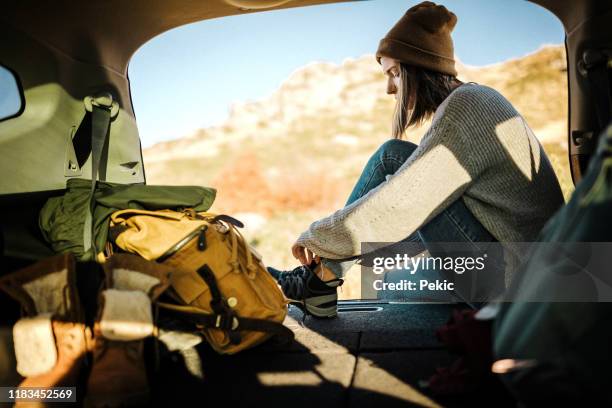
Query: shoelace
[(292, 282)]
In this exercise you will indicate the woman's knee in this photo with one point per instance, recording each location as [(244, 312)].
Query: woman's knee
[(392, 154), (401, 149)]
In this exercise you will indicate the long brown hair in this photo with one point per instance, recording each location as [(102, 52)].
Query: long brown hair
[(420, 93)]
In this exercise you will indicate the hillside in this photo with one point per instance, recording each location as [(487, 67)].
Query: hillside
[(292, 157)]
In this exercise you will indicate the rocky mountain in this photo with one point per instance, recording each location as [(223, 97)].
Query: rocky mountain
[(324, 111)]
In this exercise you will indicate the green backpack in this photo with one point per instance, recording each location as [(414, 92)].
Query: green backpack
[(553, 343), (62, 220)]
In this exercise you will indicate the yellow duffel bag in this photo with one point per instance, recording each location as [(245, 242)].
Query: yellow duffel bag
[(220, 283)]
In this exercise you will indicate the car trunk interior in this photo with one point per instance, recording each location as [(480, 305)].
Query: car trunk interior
[(374, 354)]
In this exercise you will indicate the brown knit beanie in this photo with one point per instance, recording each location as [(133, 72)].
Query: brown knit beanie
[(422, 38)]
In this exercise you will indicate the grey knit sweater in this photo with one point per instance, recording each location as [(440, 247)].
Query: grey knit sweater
[(478, 147)]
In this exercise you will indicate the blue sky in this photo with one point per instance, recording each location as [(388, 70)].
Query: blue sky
[(188, 77)]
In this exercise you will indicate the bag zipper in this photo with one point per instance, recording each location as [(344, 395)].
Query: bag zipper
[(200, 231)]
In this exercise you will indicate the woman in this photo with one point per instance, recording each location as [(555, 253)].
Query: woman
[(478, 175)]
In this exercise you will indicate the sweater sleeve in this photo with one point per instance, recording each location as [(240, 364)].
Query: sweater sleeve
[(442, 167)]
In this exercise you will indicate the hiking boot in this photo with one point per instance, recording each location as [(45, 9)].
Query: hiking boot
[(46, 287), (119, 376), (50, 339), (305, 290), (71, 341)]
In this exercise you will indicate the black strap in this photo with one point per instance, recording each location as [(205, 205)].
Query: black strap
[(100, 126), (221, 321), (228, 219), (216, 301), (222, 311)]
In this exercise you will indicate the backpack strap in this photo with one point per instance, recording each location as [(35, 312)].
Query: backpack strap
[(102, 109), (224, 322)]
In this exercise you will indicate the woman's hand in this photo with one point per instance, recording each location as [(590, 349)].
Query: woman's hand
[(304, 255)]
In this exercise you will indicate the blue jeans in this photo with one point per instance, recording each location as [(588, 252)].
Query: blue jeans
[(456, 223)]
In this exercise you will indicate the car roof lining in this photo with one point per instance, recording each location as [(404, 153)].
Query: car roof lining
[(572, 14), (107, 33)]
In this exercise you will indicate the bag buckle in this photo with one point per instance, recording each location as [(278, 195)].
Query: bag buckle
[(102, 100), (226, 322)]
